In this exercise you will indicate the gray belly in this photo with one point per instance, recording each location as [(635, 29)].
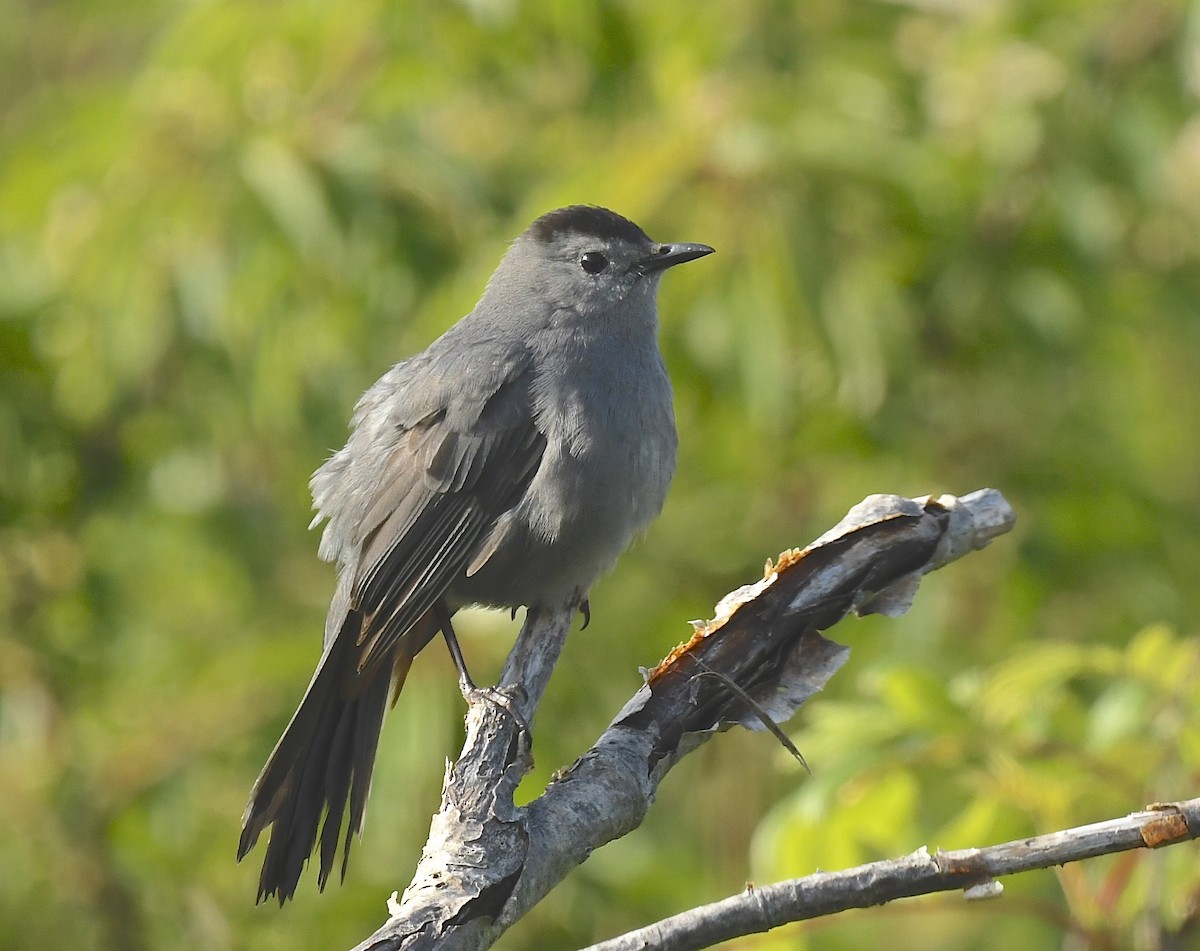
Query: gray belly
[(582, 510)]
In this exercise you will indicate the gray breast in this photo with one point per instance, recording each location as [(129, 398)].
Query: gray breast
[(604, 477)]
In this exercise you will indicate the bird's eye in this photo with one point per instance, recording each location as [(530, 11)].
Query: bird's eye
[(593, 262)]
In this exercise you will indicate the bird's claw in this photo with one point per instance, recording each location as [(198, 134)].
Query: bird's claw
[(498, 698)]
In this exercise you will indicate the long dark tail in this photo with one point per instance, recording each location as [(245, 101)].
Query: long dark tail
[(324, 759)]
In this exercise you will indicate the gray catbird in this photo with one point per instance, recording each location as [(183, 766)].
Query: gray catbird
[(508, 465)]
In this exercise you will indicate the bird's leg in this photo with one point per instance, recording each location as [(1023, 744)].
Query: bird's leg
[(442, 614), (585, 608), (471, 692)]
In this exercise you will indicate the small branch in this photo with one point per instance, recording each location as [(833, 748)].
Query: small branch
[(487, 862), (973, 870), (532, 658), (477, 842)]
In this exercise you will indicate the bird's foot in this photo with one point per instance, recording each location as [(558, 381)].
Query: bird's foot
[(498, 698)]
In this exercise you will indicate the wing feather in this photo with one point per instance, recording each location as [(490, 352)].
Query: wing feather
[(433, 501), (410, 500)]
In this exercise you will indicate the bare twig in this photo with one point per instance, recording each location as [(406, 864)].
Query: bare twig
[(972, 870), (487, 862)]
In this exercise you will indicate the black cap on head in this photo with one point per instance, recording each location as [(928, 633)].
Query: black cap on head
[(587, 219)]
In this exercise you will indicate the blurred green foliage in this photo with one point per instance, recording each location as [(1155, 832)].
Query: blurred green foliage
[(958, 246)]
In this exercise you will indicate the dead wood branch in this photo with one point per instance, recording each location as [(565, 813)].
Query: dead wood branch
[(973, 870), (487, 862)]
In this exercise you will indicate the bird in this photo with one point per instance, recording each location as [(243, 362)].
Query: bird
[(507, 465)]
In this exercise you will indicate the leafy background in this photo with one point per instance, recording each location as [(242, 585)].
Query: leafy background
[(958, 246)]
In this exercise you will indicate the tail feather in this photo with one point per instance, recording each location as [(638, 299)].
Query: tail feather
[(365, 745), (338, 771), (325, 756)]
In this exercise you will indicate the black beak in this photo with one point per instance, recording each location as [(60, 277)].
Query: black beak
[(663, 256)]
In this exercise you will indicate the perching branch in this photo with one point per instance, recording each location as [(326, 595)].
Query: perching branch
[(486, 862), (973, 870)]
